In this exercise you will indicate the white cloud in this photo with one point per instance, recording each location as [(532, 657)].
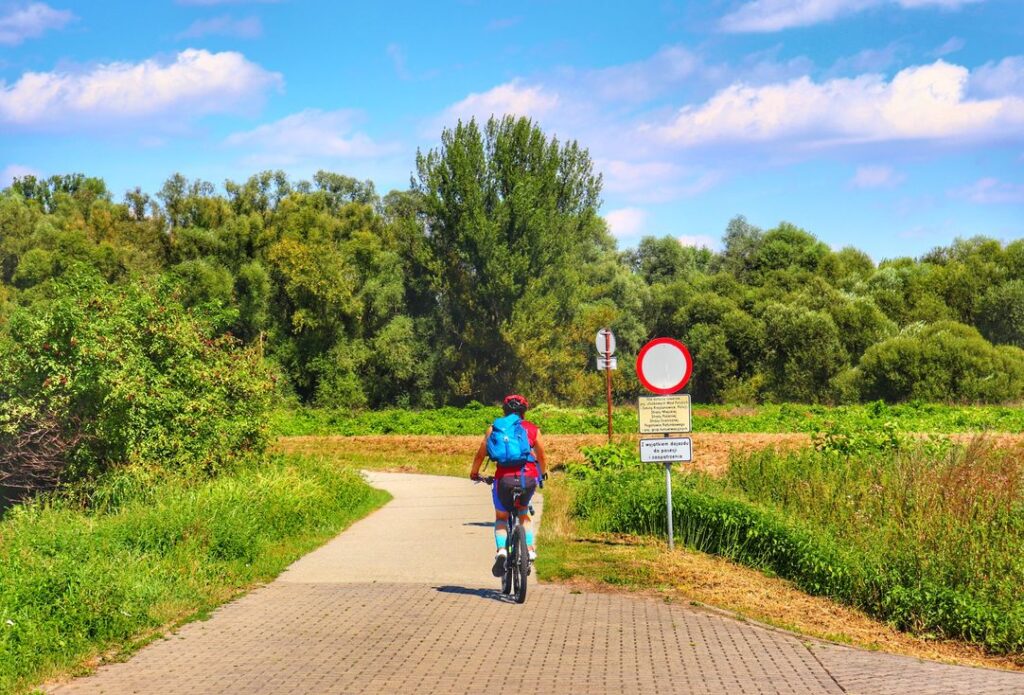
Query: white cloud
[(247, 28), (1003, 78), (397, 56), (698, 241), (952, 45), (15, 171), (989, 191), (31, 21), (636, 177), (920, 103), (195, 83), (655, 181), (867, 60), (309, 134), (877, 177), (760, 16), (513, 97), (626, 222), (644, 79)]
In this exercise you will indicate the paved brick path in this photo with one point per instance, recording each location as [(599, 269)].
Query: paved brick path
[(433, 623)]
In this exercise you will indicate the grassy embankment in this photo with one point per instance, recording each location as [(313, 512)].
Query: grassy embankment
[(925, 537), (147, 551)]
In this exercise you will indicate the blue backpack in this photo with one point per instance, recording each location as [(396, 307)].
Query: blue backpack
[(508, 443)]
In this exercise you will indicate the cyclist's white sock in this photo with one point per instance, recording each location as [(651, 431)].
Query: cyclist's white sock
[(500, 534)]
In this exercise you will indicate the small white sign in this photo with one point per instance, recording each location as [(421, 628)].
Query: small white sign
[(670, 450), (605, 341), (610, 363)]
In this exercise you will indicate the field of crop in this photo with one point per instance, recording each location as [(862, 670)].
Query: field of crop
[(768, 419)]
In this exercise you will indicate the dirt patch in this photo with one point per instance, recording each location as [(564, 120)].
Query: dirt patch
[(711, 451)]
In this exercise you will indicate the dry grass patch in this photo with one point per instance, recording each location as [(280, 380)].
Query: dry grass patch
[(453, 454)]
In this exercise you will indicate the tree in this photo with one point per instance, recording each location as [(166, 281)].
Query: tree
[(742, 241), (804, 353), (942, 362), (1001, 313), (665, 260), (509, 214)]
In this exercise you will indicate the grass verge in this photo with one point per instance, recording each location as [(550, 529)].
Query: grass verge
[(925, 537), (643, 564), (150, 553)]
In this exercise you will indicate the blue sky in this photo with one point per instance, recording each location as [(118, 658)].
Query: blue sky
[(891, 125)]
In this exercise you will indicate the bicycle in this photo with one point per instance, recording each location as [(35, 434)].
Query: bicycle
[(517, 560)]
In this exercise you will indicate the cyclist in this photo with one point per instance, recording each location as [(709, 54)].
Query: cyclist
[(507, 477)]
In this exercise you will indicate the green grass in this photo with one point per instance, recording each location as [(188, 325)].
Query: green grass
[(152, 552), (474, 419), (925, 536)]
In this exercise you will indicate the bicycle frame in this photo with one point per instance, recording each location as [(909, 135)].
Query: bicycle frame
[(517, 564)]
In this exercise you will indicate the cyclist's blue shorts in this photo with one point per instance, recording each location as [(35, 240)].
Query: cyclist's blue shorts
[(501, 492)]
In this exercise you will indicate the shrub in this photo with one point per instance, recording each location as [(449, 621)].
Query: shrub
[(944, 361), (105, 375)]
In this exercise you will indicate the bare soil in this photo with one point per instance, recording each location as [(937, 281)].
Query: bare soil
[(711, 451)]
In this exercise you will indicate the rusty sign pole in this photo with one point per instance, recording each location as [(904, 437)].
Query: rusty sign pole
[(608, 379)]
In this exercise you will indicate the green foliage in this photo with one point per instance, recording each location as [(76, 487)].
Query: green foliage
[(805, 353), (512, 218), (493, 271), (110, 375), (924, 536), (945, 361), (811, 419), (1001, 313), (155, 550)]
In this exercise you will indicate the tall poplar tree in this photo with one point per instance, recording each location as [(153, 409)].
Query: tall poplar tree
[(511, 218)]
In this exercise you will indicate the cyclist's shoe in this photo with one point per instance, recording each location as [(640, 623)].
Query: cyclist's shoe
[(499, 563), (533, 554)]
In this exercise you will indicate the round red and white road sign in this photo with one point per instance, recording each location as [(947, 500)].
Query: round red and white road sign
[(664, 365)]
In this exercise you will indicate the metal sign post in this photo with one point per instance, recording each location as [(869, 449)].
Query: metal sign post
[(667, 450), (663, 367), (668, 504)]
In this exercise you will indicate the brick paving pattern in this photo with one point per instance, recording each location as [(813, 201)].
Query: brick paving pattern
[(323, 628)]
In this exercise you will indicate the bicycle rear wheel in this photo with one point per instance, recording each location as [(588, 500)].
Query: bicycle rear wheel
[(521, 565), (506, 579)]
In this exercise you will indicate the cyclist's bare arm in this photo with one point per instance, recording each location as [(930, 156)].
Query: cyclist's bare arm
[(481, 454), (538, 449)]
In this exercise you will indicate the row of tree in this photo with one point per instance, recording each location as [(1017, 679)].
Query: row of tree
[(493, 271)]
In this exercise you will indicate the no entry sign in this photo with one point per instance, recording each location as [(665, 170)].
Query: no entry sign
[(664, 366)]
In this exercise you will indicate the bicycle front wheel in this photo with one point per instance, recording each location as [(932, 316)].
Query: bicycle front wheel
[(521, 565)]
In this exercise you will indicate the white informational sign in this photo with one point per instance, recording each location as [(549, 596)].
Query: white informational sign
[(664, 366), (605, 341), (610, 363), (666, 450)]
